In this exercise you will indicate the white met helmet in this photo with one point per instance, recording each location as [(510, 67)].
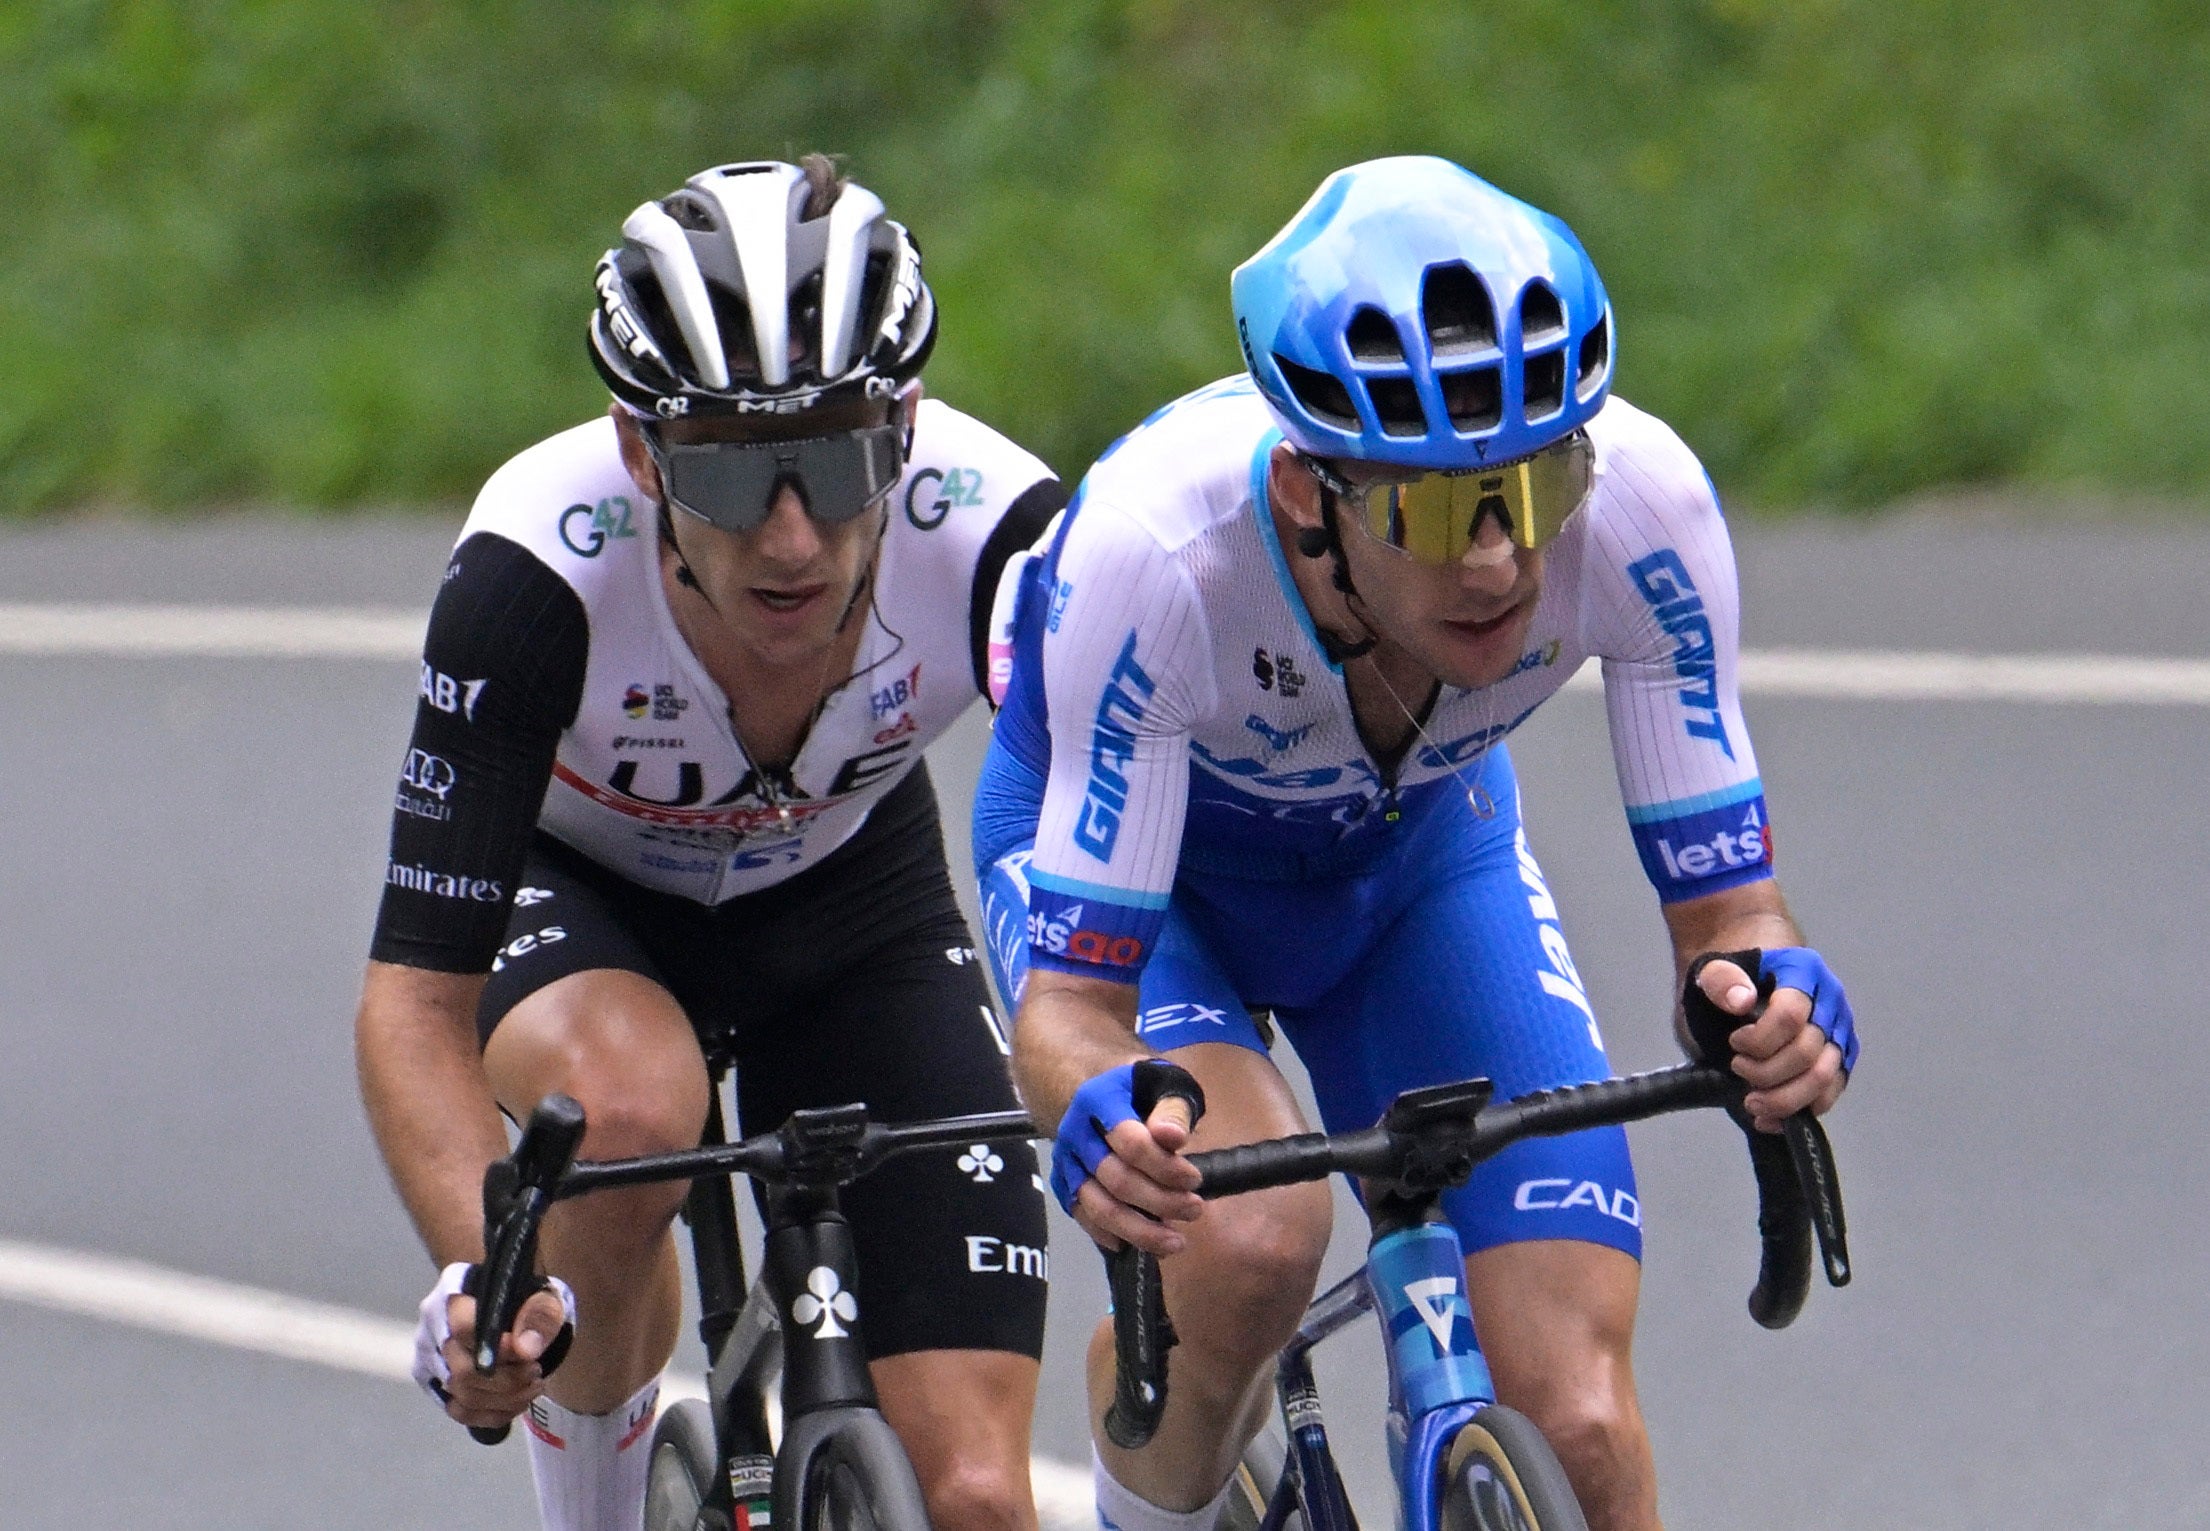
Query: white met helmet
[(760, 288)]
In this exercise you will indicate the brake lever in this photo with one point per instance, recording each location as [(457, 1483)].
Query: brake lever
[(1821, 1182), (1798, 1190)]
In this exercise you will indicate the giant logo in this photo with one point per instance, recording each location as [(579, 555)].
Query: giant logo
[(1112, 746), (1663, 581)]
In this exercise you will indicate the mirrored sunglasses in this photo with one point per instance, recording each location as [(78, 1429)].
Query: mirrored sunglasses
[(733, 484), (1435, 517)]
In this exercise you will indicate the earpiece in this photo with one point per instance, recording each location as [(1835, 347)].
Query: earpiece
[(1312, 541)]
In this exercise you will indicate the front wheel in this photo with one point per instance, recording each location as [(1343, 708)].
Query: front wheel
[(685, 1469), (839, 1500), (1253, 1485), (1501, 1475)]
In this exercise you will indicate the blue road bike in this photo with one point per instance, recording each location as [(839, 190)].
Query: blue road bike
[(1461, 1461)]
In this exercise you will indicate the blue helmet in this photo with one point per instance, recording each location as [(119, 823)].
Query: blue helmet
[(1413, 314)]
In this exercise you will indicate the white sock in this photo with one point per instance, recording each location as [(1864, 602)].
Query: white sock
[(590, 1468), (1120, 1510)]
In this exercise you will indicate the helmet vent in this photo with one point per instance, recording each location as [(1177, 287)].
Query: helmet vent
[(1456, 307), (1397, 406), (1373, 337), (1595, 357), (1475, 400), (1545, 376), (1323, 397), (690, 213), (733, 316), (1540, 315)]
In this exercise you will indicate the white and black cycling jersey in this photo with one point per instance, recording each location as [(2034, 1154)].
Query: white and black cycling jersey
[(558, 695)]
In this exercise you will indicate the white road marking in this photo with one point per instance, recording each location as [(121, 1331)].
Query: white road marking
[(395, 633), (221, 632), (1896, 676), (229, 1313)]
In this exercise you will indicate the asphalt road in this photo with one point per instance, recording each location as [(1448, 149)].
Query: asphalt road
[(189, 855)]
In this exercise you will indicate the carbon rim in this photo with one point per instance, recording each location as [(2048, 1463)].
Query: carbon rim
[(1492, 1497)]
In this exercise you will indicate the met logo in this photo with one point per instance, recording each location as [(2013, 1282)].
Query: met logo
[(1112, 746), (1662, 579)]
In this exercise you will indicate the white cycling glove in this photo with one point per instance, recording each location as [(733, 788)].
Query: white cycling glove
[(434, 1326)]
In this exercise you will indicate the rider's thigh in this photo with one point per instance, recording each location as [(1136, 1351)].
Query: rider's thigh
[(1251, 1261), (1556, 1321), (963, 1416), (620, 1044)]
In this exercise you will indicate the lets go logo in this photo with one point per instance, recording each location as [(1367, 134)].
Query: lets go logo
[(1063, 936)]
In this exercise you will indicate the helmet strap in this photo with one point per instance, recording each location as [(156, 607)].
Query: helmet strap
[(683, 574), (1327, 538)]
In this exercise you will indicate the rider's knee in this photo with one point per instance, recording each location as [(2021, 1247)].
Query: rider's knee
[(1592, 1422), (626, 1117), (967, 1492), (1260, 1263)]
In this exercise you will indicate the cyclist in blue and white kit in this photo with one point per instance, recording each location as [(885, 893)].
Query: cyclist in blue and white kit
[(1251, 760)]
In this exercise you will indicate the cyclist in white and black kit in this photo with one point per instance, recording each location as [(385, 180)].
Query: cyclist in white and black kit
[(665, 804)]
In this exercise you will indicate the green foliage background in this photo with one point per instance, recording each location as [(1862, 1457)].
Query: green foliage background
[(328, 252)]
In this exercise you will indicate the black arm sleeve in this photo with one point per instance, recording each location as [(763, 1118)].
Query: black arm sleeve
[(1023, 522), (502, 677)]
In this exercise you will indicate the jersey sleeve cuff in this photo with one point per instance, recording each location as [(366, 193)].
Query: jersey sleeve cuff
[(1701, 846)]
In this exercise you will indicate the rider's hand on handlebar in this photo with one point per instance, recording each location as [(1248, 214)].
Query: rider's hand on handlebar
[(1124, 1178), (1788, 1061), (495, 1400), (444, 1349), (1146, 1174)]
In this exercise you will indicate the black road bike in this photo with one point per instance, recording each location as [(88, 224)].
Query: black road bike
[(838, 1466)]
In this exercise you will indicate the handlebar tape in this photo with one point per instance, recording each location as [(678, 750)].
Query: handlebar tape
[(1151, 1080), (1142, 1333), (516, 1192), (1798, 1189)]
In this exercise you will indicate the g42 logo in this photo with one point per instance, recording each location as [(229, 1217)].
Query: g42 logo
[(953, 486), (586, 528)]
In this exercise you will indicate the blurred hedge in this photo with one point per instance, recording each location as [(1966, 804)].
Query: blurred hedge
[(338, 251)]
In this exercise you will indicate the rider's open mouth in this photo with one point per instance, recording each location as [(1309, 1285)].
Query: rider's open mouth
[(785, 600)]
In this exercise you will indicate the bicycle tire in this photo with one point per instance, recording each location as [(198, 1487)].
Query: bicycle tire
[(1501, 1475), (839, 1500), (684, 1470), (1253, 1485)]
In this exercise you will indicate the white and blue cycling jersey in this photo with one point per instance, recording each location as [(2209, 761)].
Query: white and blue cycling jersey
[(1177, 795)]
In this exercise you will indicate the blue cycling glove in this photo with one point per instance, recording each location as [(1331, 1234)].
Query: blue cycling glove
[(1125, 1094), (1799, 967)]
